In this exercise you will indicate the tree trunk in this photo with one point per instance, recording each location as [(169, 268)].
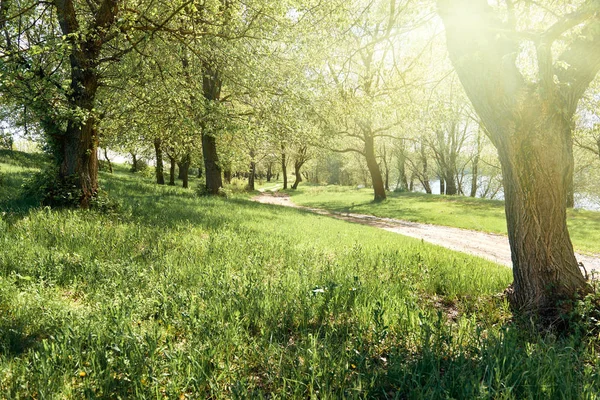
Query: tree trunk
[(134, 162), (544, 265), (269, 172), (110, 168), (211, 89), (442, 186), (172, 171), (284, 167), (424, 162), (214, 182), (297, 166), (251, 176), (78, 146), (227, 175), (527, 123), (180, 170), (376, 178), (451, 187), (160, 176), (184, 170)]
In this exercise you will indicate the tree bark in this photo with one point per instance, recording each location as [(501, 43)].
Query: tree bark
[(78, 145), (376, 178), (297, 166), (251, 176), (442, 186), (528, 123), (180, 171), (160, 176), (544, 265)]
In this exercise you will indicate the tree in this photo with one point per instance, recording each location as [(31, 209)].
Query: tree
[(529, 120), (56, 55)]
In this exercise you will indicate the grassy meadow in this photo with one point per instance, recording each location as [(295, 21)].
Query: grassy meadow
[(456, 211), (175, 296)]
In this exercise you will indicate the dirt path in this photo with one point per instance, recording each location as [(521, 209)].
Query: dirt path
[(486, 245)]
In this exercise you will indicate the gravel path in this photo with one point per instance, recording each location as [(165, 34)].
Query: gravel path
[(486, 245)]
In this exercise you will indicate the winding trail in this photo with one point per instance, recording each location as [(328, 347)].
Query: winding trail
[(490, 246)]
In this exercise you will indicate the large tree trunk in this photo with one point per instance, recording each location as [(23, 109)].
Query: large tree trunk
[(227, 175), (528, 123), (442, 186), (160, 176), (78, 145), (544, 265), (376, 178)]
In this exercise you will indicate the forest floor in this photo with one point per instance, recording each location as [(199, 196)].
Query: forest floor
[(493, 247)]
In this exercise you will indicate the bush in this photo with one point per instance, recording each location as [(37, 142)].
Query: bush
[(45, 189)]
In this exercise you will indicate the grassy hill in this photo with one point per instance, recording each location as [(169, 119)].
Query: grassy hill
[(178, 296)]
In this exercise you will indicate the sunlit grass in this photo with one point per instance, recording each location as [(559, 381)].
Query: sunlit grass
[(176, 296), (456, 211)]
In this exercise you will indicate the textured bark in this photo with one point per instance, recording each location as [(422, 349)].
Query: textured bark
[(529, 124), (78, 145), (160, 176)]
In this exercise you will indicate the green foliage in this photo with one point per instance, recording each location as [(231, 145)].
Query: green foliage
[(44, 188)]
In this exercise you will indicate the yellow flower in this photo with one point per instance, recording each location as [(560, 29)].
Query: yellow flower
[(82, 374)]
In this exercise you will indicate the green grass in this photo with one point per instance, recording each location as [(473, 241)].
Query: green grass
[(176, 296), (456, 211)]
